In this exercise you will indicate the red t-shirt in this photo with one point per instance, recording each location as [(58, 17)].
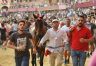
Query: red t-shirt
[(84, 32)]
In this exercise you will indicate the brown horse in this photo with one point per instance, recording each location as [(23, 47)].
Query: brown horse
[(38, 33)]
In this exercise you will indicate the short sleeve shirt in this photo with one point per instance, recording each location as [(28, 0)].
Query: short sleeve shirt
[(21, 39), (85, 33)]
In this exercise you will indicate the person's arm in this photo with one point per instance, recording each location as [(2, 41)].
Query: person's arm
[(45, 38), (65, 38), (31, 39), (33, 43), (4, 45), (86, 40), (11, 45), (89, 37), (10, 42)]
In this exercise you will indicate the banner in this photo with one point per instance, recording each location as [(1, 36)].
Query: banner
[(62, 6)]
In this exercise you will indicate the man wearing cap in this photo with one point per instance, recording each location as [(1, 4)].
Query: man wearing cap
[(55, 46)]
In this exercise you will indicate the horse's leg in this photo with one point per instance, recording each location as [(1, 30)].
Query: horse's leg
[(41, 58), (41, 53), (33, 58)]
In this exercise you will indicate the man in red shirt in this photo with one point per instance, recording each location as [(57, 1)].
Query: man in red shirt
[(81, 35)]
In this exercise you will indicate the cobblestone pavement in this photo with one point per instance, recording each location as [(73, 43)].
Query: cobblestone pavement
[(7, 59)]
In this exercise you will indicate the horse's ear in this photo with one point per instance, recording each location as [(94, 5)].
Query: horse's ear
[(35, 16), (42, 16)]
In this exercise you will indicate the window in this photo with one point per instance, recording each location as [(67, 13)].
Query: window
[(26, 0), (17, 0), (20, 0), (30, 0), (11, 1), (34, 0)]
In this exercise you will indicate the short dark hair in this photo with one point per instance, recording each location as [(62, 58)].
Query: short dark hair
[(22, 21), (82, 16)]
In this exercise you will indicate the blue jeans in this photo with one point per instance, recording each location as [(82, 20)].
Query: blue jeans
[(22, 61), (78, 57)]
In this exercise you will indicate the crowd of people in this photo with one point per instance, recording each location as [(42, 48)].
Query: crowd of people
[(73, 37)]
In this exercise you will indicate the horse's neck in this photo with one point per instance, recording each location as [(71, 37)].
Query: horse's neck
[(38, 35), (44, 29), (41, 30)]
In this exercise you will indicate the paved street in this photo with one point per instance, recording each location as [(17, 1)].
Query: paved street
[(7, 58)]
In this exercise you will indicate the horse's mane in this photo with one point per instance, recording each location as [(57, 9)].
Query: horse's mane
[(40, 24), (40, 28)]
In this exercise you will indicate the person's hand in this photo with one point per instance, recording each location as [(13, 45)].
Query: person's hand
[(34, 50), (4, 46), (20, 48), (17, 48), (82, 40), (39, 45)]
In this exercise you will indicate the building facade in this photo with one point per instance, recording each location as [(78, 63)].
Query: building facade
[(86, 3), (35, 5), (4, 3)]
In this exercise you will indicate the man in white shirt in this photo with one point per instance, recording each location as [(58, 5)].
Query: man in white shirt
[(67, 49), (55, 46)]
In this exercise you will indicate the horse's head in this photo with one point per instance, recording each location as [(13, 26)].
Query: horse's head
[(39, 23)]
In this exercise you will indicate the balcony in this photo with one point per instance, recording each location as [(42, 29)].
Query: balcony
[(34, 8), (86, 4)]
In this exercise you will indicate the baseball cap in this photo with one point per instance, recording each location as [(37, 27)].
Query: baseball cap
[(55, 20)]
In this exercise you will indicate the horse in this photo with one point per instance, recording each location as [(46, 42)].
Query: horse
[(40, 29)]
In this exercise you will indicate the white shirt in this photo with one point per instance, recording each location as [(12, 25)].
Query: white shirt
[(56, 39), (65, 28), (88, 25), (14, 26)]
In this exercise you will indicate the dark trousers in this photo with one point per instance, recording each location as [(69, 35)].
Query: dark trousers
[(22, 61)]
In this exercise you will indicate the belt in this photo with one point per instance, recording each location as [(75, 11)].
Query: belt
[(55, 47)]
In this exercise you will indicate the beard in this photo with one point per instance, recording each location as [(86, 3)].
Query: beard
[(56, 27), (80, 25)]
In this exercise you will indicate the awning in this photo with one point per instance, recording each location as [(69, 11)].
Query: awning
[(56, 7), (22, 9), (86, 4)]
